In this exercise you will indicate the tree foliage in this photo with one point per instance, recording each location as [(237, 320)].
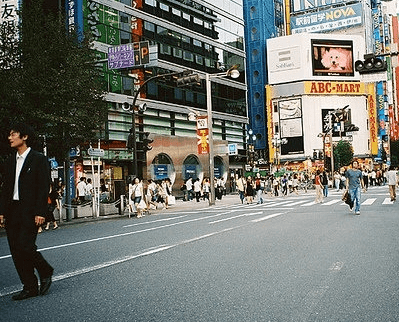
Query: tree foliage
[(343, 154), (55, 86)]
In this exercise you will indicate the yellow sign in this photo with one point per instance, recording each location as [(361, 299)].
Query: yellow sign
[(372, 108), (270, 127), (335, 88)]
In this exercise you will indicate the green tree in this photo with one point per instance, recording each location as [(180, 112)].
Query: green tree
[(57, 87), (343, 154)]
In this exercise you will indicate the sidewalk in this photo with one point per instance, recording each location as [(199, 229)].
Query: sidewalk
[(180, 205)]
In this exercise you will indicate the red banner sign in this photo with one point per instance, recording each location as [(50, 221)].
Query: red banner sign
[(203, 141)]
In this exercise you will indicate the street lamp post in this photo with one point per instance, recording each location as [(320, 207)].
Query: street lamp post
[(251, 138), (233, 73), (210, 138)]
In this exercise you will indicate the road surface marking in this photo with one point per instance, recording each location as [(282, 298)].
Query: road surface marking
[(13, 289), (387, 201), (235, 217), (329, 203), (368, 201), (267, 217)]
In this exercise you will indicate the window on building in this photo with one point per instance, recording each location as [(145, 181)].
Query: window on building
[(188, 56), (253, 12), (177, 52), (186, 16), (165, 49), (176, 12), (149, 26), (178, 95), (197, 43), (164, 7), (198, 21), (208, 62), (208, 47), (199, 60), (152, 3), (190, 96), (162, 31), (186, 39), (207, 25)]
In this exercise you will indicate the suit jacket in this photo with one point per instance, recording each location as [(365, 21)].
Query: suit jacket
[(34, 185)]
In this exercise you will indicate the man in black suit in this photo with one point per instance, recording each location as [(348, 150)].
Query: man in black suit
[(23, 205)]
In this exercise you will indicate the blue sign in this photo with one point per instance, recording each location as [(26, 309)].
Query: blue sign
[(161, 171), (328, 19), (53, 163), (128, 55), (190, 171)]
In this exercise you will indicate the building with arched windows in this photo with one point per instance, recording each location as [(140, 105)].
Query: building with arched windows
[(197, 36)]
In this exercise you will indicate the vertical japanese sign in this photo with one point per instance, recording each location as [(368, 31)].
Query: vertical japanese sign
[(270, 129), (103, 23), (74, 16), (9, 12), (372, 109), (137, 23), (202, 135)]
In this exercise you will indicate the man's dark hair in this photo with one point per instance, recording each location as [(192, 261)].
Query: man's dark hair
[(24, 129)]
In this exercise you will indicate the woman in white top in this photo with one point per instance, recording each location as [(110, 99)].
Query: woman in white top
[(135, 196)]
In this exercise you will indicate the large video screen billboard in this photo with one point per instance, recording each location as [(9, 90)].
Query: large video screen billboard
[(332, 57)]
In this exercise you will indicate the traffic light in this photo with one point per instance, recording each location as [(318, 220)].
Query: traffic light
[(192, 79), (146, 142), (351, 128), (371, 64), (315, 155), (321, 155), (130, 140)]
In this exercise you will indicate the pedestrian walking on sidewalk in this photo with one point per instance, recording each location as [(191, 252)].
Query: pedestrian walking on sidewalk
[(23, 208), (319, 187), (354, 182), (241, 187), (392, 179), (53, 203), (197, 189), (259, 187), (324, 181), (136, 194), (250, 190)]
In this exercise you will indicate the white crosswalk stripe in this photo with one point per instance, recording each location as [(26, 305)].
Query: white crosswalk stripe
[(368, 201), (387, 201), (331, 202), (327, 202)]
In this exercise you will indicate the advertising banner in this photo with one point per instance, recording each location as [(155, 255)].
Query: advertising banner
[(334, 88), (328, 19), (270, 131), (372, 108), (203, 141)]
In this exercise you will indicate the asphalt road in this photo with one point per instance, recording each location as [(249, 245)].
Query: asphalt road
[(287, 259)]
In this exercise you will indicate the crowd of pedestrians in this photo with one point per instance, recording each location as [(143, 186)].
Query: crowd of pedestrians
[(200, 189), (143, 197), (252, 189)]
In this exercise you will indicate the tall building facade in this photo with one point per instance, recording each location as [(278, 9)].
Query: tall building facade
[(264, 20), (201, 37), (295, 111)]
